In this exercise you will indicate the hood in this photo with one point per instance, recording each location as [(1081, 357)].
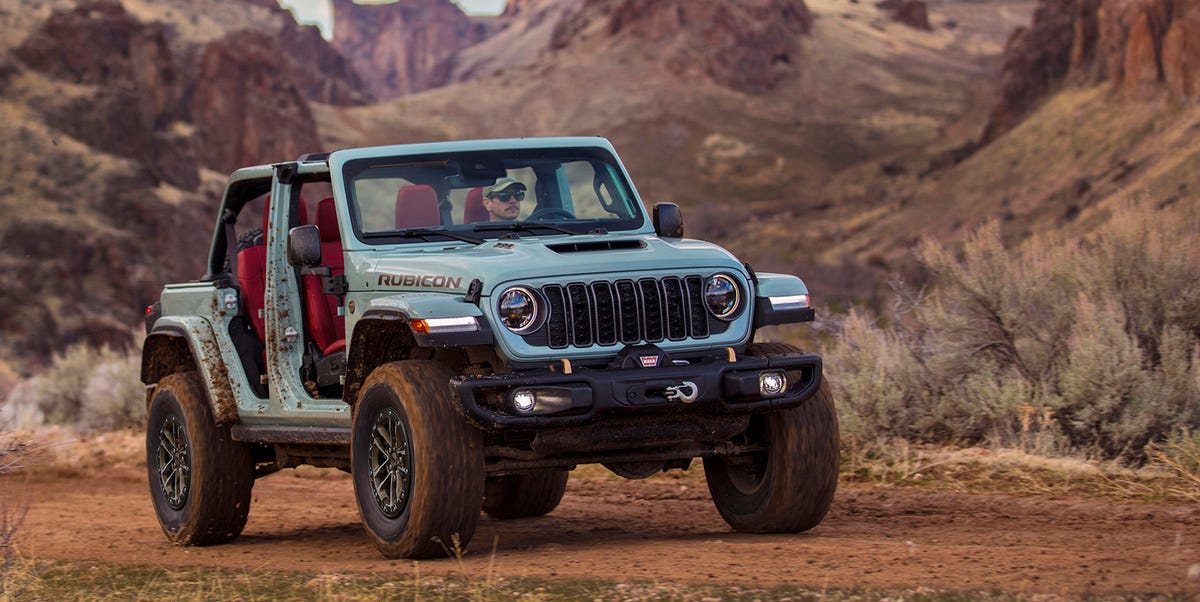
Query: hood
[(503, 262)]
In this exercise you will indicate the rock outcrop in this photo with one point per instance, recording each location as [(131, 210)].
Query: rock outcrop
[(237, 100), (403, 47), (114, 118), (1145, 48), (747, 45), (322, 73), (134, 87), (914, 14), (245, 113), (1036, 59)]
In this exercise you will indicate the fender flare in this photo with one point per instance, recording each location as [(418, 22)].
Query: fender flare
[(177, 344)]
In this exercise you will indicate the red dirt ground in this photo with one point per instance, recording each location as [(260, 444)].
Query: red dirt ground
[(659, 530)]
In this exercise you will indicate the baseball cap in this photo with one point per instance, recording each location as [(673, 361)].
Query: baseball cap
[(503, 184)]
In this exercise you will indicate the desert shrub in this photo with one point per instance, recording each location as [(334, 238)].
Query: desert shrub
[(1098, 339), (85, 387)]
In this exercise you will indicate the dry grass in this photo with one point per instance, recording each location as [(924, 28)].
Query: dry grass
[(988, 470), (1181, 456), (17, 574), (94, 581)]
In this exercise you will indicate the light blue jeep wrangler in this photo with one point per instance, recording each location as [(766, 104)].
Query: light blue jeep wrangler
[(460, 324)]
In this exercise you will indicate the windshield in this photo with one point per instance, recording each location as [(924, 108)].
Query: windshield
[(479, 195)]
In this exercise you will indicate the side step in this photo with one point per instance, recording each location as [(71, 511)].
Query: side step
[(303, 435)]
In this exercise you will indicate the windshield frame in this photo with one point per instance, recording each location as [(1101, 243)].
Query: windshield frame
[(448, 159)]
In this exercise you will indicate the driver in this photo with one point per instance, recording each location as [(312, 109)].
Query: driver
[(503, 200)]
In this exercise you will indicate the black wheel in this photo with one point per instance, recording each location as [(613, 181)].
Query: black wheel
[(417, 464), (789, 486), (534, 493), (200, 478)]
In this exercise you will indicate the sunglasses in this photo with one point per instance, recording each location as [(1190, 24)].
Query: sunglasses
[(509, 196)]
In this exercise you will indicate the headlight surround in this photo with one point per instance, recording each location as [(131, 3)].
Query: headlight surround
[(722, 296), (520, 309)]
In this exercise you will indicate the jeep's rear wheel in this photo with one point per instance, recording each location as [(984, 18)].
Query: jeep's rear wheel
[(200, 478), (417, 465), (789, 485), (534, 493)]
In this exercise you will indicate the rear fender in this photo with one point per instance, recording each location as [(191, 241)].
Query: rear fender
[(180, 344)]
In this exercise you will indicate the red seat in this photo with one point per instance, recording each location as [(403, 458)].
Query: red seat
[(252, 273), (473, 209), (417, 207), (325, 327)]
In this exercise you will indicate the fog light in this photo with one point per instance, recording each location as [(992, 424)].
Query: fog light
[(524, 401), (772, 384)]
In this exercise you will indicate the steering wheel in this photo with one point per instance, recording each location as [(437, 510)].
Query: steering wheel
[(546, 213)]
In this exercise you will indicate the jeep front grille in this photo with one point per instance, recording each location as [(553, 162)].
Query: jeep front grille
[(625, 312)]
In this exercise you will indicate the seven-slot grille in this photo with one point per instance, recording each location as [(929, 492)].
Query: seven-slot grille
[(626, 312)]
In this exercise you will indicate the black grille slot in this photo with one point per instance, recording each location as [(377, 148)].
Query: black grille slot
[(628, 307), (625, 312), (606, 313), (676, 310), (697, 313), (652, 306), (556, 323), (581, 315)]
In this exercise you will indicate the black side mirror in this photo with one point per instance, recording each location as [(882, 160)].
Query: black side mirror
[(668, 220), (304, 246)]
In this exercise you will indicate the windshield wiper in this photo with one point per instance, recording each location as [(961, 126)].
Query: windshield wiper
[(521, 227), (425, 233)]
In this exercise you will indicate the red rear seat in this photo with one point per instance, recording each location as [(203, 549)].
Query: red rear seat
[(417, 207), (326, 328), (474, 211)]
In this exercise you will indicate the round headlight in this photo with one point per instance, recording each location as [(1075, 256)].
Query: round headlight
[(722, 296), (519, 309)]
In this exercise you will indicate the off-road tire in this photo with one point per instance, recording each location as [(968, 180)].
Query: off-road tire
[(428, 462), (534, 493), (200, 478), (789, 488)]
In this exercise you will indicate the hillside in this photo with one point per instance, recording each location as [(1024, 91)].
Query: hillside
[(818, 137), (1097, 106)]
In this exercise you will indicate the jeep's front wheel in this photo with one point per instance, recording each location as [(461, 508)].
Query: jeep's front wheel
[(788, 486), (200, 478), (533, 493), (417, 465)]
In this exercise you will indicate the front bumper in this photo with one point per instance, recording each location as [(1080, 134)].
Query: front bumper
[(721, 388)]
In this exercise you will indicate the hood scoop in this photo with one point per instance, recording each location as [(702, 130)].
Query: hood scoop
[(597, 245)]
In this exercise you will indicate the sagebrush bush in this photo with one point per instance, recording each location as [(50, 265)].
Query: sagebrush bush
[(88, 388), (1102, 335)]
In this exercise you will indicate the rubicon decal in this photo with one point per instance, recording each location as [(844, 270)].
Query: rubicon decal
[(420, 280)]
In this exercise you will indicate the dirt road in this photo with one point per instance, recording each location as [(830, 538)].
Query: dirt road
[(661, 530)]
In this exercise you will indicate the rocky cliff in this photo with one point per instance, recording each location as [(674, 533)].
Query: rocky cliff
[(748, 45), (403, 47), (125, 88), (237, 99), (127, 116), (243, 111), (1144, 48)]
